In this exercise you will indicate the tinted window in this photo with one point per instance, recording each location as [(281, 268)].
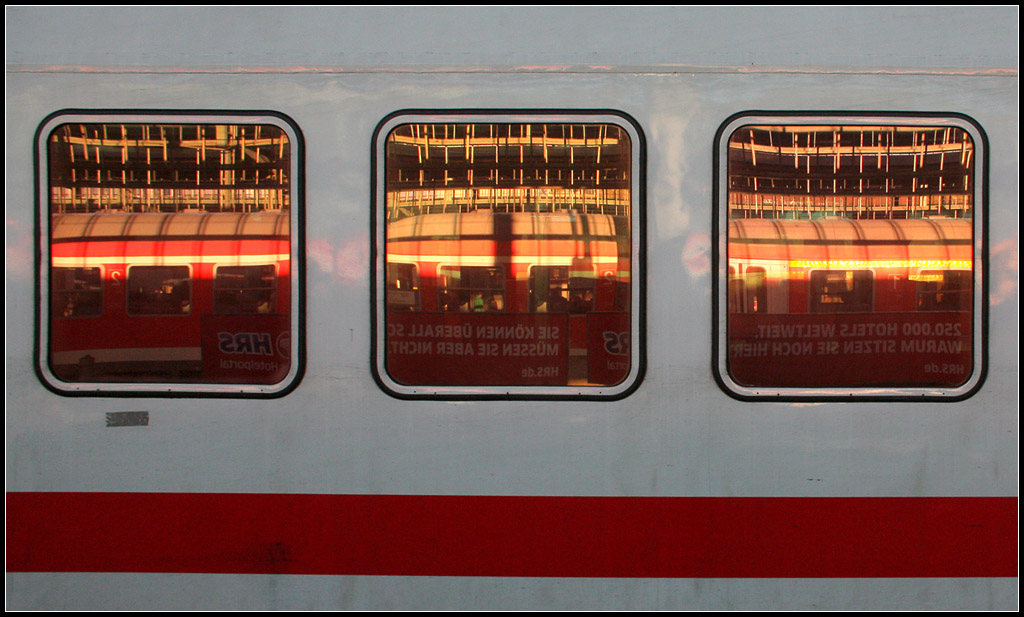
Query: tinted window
[(176, 239), (849, 255), (509, 254)]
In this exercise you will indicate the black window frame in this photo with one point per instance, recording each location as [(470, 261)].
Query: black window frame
[(637, 294), (171, 389), (720, 264)]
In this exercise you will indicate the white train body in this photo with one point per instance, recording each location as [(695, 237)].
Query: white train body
[(674, 488)]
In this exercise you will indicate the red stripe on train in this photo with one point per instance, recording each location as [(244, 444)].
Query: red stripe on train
[(513, 536)]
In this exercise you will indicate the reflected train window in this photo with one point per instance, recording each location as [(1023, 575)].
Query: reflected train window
[(557, 290), (841, 291), (850, 256), (939, 290), (510, 255), (175, 235), (747, 292), (76, 292), (474, 289), (403, 290)]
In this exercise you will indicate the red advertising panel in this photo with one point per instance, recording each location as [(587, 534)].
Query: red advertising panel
[(851, 350), (608, 347), (252, 349), (483, 349)]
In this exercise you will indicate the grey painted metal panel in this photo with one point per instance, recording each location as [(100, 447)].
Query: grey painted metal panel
[(551, 38)]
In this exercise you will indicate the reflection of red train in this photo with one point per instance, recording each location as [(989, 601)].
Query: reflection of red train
[(509, 262), (841, 265), (484, 262), (130, 292)]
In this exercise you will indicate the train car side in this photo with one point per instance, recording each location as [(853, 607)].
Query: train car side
[(421, 308)]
